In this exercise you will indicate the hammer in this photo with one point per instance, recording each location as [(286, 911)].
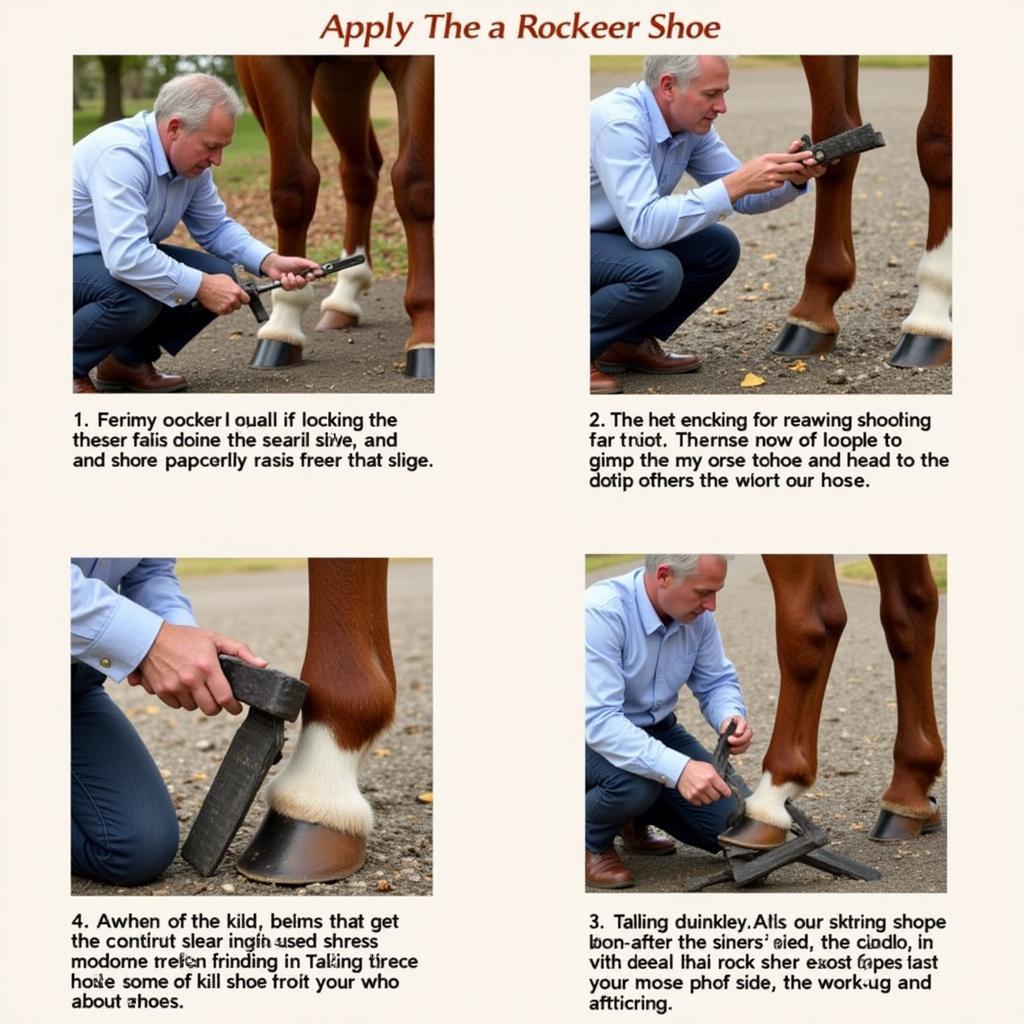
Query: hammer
[(273, 699), (254, 291)]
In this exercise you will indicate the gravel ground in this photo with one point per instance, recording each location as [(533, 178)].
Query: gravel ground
[(368, 359), (268, 611), (858, 725), (768, 109)]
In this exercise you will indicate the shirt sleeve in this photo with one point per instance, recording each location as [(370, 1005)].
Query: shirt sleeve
[(713, 680), (608, 731), (113, 632), (117, 186), (209, 224), (622, 162)]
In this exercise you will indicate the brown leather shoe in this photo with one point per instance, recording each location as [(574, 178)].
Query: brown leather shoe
[(639, 838), (82, 385), (113, 375), (602, 384), (647, 357), (606, 871)]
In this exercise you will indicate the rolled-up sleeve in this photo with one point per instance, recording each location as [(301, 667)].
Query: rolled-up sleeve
[(608, 731)]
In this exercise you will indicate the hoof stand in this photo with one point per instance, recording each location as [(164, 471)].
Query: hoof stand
[(272, 355), (290, 852), (797, 340), (916, 350), (896, 828), (419, 363), (749, 834)]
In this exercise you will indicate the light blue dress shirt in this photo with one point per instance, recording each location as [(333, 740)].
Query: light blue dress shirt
[(127, 198), (117, 608), (636, 667), (636, 163)]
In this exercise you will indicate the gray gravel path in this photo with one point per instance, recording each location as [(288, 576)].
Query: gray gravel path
[(268, 611), (768, 109), (858, 725)]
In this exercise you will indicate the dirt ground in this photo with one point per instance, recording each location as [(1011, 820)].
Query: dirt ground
[(768, 109), (858, 725), (268, 611)]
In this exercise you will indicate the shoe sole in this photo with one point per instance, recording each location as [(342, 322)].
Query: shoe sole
[(620, 368), (610, 885), (113, 388)]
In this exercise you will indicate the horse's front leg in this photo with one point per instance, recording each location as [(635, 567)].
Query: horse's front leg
[(318, 821)]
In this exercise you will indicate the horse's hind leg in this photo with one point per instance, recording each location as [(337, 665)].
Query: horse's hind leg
[(928, 330), (809, 620), (342, 92), (909, 609)]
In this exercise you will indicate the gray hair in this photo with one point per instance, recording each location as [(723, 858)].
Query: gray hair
[(684, 68), (681, 565), (192, 97)]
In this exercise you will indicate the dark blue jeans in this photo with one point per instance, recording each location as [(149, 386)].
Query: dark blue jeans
[(123, 827), (615, 797), (113, 318), (643, 293)]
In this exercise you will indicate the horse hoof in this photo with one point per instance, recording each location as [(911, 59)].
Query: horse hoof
[(331, 320), (895, 828), (419, 362), (272, 355), (291, 852), (798, 340), (753, 835), (921, 350)]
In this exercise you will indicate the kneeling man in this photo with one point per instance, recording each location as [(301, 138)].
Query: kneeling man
[(649, 634)]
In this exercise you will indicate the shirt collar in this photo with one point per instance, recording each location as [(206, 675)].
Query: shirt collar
[(160, 162), (649, 618)]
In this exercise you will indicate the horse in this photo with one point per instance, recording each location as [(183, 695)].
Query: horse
[(809, 620), (811, 326), (316, 827), (281, 91)]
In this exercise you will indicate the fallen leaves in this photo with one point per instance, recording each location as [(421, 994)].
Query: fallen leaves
[(426, 798), (752, 380), (798, 367)]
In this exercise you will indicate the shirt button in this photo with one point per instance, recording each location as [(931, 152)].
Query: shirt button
[(178, 300), (105, 663), (721, 217)]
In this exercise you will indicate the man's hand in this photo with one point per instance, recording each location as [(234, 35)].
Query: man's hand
[(809, 169), (221, 294), (740, 739), (182, 669), (770, 170), (701, 784), (288, 270)]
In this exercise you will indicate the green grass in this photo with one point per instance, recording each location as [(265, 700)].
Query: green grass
[(863, 572), (595, 562), (220, 566), (616, 62)]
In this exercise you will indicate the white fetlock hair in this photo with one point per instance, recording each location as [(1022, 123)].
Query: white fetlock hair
[(285, 323), (351, 283)]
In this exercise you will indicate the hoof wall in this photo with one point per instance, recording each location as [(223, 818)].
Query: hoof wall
[(333, 321), (897, 828), (272, 355), (290, 852), (921, 350), (419, 363), (797, 340), (753, 835)]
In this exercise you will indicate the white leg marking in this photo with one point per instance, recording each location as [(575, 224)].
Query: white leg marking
[(768, 802), (319, 784), (285, 323), (350, 285), (931, 312)]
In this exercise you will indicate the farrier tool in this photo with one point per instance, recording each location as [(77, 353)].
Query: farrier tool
[(273, 698), (856, 140), (254, 291)]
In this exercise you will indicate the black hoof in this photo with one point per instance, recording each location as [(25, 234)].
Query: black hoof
[(419, 363), (921, 350), (797, 340), (272, 355)]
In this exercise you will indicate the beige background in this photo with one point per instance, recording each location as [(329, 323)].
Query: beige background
[(506, 514)]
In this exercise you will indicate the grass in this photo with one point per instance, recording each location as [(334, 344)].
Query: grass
[(221, 566), (595, 562), (862, 571), (616, 62)]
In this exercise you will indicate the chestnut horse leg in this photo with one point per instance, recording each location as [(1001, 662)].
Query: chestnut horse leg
[(928, 330), (412, 177), (318, 820), (809, 620), (279, 90), (831, 267), (909, 609), (341, 91)]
